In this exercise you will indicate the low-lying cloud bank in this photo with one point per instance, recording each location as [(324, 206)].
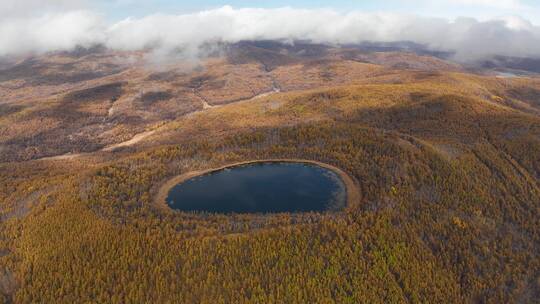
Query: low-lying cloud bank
[(469, 38)]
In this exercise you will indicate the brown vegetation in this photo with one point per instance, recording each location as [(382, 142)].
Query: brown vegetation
[(447, 164)]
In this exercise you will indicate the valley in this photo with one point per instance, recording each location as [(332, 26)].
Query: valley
[(443, 160)]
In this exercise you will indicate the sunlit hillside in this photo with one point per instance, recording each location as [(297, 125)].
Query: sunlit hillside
[(446, 161)]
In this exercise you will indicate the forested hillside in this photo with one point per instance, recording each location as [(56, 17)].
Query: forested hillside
[(429, 227), (447, 165)]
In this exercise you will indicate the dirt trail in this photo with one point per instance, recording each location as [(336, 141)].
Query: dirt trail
[(273, 91), (141, 136), (137, 138), (134, 140), (207, 105)]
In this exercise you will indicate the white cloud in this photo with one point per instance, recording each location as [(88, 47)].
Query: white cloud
[(18, 8), (50, 32), (468, 37), (502, 4)]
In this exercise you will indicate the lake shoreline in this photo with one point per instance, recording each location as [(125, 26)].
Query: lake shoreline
[(352, 189)]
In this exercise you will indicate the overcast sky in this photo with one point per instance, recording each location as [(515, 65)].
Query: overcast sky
[(119, 9), (471, 28)]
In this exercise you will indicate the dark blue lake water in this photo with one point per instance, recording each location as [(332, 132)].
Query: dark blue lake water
[(261, 188)]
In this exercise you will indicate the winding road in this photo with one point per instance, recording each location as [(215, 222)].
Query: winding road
[(141, 136)]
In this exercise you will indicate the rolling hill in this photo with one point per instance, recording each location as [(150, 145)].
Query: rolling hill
[(446, 158)]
